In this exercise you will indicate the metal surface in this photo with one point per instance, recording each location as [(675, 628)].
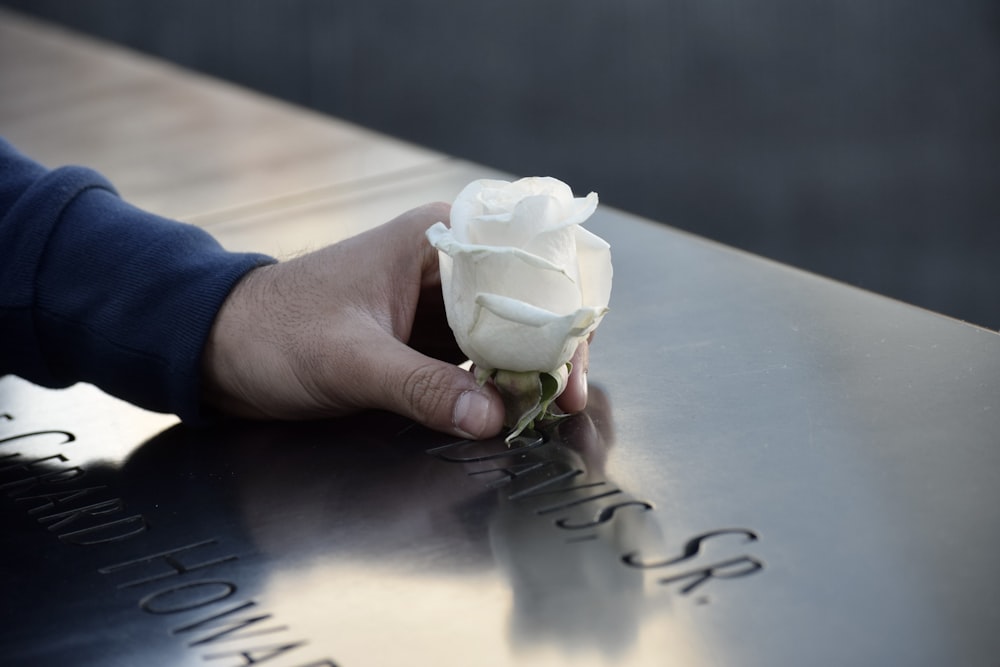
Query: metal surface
[(848, 443), (774, 470), (172, 142)]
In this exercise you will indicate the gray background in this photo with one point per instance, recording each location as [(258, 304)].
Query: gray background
[(855, 138)]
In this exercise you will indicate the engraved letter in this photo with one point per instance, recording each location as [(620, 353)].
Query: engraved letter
[(21, 486), (181, 591), (512, 472), (256, 655), (132, 526), (505, 452), (537, 489), (691, 549), (229, 626), (28, 466), (64, 519), (69, 436), (172, 561), (604, 515), (715, 572), (56, 500), (579, 501)]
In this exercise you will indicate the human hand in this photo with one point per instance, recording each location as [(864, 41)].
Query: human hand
[(356, 325)]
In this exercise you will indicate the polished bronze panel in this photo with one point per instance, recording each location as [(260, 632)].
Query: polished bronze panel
[(172, 142), (774, 469), (288, 226)]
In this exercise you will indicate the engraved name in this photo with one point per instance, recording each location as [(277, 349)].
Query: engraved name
[(525, 475), (181, 579)]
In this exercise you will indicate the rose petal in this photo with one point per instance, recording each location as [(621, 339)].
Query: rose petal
[(558, 246), (580, 209), (517, 276), (537, 185), (595, 271), (516, 336), (517, 227), (445, 240), (469, 204), (519, 312), (522, 282)]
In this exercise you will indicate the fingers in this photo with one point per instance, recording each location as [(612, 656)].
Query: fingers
[(435, 393), (416, 222), (327, 333), (430, 333), (574, 396), (439, 395)]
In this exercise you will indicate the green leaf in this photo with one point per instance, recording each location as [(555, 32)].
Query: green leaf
[(527, 397)]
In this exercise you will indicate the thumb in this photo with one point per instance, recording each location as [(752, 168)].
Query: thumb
[(437, 394)]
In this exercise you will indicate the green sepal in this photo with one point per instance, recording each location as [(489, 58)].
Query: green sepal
[(527, 397), (482, 375)]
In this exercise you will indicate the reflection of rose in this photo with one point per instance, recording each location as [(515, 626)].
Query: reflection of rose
[(568, 583), (523, 282)]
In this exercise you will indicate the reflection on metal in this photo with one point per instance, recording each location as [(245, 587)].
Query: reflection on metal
[(774, 469), (242, 541), (796, 487)]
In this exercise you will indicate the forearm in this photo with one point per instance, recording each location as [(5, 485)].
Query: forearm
[(93, 289)]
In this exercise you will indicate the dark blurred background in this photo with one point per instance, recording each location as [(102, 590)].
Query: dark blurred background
[(859, 139)]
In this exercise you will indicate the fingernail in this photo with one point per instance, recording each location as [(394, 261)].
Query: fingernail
[(472, 409)]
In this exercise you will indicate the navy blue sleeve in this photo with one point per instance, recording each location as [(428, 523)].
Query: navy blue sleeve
[(95, 290)]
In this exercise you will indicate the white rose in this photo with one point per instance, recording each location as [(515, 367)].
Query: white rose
[(523, 283)]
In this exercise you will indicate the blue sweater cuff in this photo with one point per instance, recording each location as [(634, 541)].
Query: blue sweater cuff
[(127, 301), (99, 291)]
